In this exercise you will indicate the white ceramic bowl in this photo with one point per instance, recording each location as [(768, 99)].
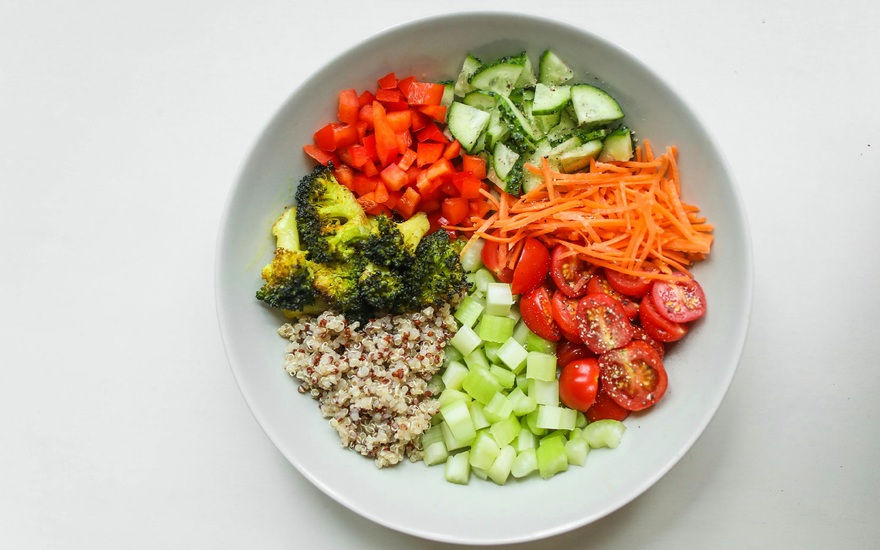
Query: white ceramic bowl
[(411, 497)]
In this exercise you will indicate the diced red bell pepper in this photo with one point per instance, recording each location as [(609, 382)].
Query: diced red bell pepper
[(475, 165), (419, 120), (368, 201), (320, 155), (361, 128), (348, 106), (408, 203), (393, 197), (386, 141), (424, 93), (432, 133), (400, 121), (452, 150), (407, 160), (359, 156), (370, 169), (379, 209), (404, 139), (388, 81), (455, 210), (428, 153), (325, 138), (381, 192), (404, 84), (394, 177), (345, 175), (345, 135), (366, 98), (366, 115), (468, 186), (344, 155), (478, 208), (442, 169), (430, 205), (449, 188), (389, 96), (434, 220), (412, 174), (393, 106), (370, 145), (437, 112), (362, 185)]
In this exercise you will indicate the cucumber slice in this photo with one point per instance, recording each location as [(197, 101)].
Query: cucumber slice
[(470, 66), (594, 106), (507, 170), (500, 76), (467, 124), (478, 99), (545, 123), (537, 134), (530, 180), (565, 146), (552, 70), (497, 130), (448, 94), (579, 157), (503, 160), (618, 146), (527, 76), (550, 99), (563, 130), (521, 131), (480, 146)]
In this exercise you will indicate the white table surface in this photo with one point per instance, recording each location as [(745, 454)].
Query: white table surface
[(122, 125)]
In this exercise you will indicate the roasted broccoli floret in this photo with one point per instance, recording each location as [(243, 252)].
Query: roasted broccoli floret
[(289, 278), (382, 289), (337, 283), (329, 217), (436, 275), (392, 244)]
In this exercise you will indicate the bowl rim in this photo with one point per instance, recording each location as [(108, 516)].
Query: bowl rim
[(739, 335)]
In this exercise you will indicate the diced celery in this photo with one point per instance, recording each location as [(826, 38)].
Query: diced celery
[(450, 395), (513, 355), (525, 463), (521, 332), (525, 440), (477, 416), (498, 299), (515, 314), (481, 385), (458, 470), (495, 329), (432, 435), (522, 382), (484, 451), (604, 433), (541, 366), (436, 420), (506, 378), (525, 405), (476, 360), (568, 419), (465, 340), (552, 458), (468, 311), (515, 395), (545, 393), (484, 277), (536, 343), (479, 298), (581, 420), (450, 441), (500, 469), (498, 409), (506, 431), (452, 354), (458, 418), (453, 375), (577, 433), (471, 279), (530, 421), (436, 453), (472, 259), (553, 434), (555, 418), (577, 451), (491, 350), (480, 473)]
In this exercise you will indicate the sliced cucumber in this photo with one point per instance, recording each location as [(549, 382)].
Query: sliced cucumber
[(521, 131), (542, 149), (563, 130), (448, 94), (527, 76), (545, 123), (594, 106), (478, 99), (467, 124), (497, 130), (528, 95), (480, 146), (579, 157), (550, 99), (527, 112), (507, 170), (462, 84), (565, 146), (552, 70), (618, 146), (500, 76), (503, 160)]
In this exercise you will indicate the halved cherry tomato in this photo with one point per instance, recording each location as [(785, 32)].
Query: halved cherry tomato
[(599, 285), (567, 351), (628, 284), (657, 326), (491, 257), (605, 408), (531, 267), (565, 312), (640, 334), (537, 313), (633, 376), (572, 337), (571, 274), (602, 323), (679, 302), (578, 384)]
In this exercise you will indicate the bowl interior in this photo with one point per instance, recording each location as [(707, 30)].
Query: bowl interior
[(413, 498)]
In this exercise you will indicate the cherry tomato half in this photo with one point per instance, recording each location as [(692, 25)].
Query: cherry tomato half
[(657, 326), (630, 285), (605, 408), (600, 285), (578, 384), (679, 302), (531, 267), (491, 257), (571, 274), (602, 323), (568, 351), (633, 376), (565, 312), (572, 337), (640, 334), (537, 314)]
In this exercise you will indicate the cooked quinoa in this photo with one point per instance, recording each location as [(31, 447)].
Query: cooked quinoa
[(372, 381)]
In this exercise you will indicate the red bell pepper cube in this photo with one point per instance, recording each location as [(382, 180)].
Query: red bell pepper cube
[(320, 155), (394, 177), (361, 128), (344, 155), (386, 141), (449, 188), (455, 210), (442, 169), (393, 106), (325, 138), (408, 203), (362, 185), (393, 197), (404, 84), (382, 192), (389, 96), (345, 175), (400, 121), (370, 169), (434, 219), (412, 174), (404, 139), (366, 115), (424, 93), (359, 155), (419, 120), (407, 160), (366, 98), (430, 205), (380, 209), (370, 145), (475, 165), (368, 201), (388, 82), (428, 153), (452, 150), (468, 186), (348, 106), (478, 207), (437, 112), (431, 133), (345, 135)]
